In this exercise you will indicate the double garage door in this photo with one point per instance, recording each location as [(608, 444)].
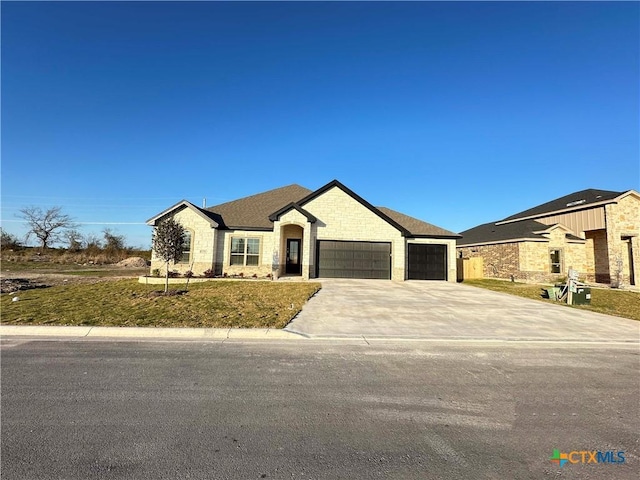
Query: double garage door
[(338, 259), (342, 259)]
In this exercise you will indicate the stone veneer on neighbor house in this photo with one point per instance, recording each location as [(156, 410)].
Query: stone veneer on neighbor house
[(623, 240), (608, 255)]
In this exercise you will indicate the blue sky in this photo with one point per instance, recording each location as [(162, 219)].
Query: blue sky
[(456, 113)]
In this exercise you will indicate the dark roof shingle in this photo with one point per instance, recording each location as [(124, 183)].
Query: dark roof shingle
[(574, 200), (254, 211), (492, 233), (415, 226)]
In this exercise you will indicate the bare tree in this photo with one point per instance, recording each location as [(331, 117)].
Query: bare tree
[(113, 241), (8, 241), (48, 226), (74, 240), (168, 244)]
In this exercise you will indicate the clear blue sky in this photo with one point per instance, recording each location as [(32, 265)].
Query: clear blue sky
[(455, 113)]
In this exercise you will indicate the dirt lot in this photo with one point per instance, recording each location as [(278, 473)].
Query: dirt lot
[(23, 276)]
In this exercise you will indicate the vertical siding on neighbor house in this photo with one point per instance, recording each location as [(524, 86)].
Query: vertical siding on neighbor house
[(578, 222)]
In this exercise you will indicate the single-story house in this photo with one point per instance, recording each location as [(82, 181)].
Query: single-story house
[(329, 232), (596, 232)]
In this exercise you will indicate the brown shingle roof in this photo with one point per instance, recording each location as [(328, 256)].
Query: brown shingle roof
[(253, 211), (415, 226)]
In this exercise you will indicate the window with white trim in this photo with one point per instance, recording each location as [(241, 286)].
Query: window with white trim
[(186, 247), (245, 251), (555, 258)]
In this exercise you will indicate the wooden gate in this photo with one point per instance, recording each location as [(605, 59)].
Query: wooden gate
[(469, 268)]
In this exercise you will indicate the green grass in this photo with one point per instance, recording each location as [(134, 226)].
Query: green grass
[(221, 304), (612, 302)]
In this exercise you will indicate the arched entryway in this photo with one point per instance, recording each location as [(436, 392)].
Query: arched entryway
[(291, 237)]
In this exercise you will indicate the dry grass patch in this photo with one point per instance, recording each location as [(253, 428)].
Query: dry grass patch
[(128, 303), (609, 301)]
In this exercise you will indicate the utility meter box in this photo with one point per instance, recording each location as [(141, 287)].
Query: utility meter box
[(582, 296)]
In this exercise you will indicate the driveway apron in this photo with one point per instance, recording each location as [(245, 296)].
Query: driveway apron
[(443, 310)]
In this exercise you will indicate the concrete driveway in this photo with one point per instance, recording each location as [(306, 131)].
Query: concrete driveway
[(442, 310)]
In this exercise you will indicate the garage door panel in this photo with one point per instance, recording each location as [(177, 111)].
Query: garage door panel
[(346, 259), (427, 262)]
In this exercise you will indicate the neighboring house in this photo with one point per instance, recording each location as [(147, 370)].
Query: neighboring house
[(330, 232), (595, 232)]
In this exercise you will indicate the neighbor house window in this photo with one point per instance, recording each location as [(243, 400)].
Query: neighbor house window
[(186, 247), (245, 251), (555, 258)]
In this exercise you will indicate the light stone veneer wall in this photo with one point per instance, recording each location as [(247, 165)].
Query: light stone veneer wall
[(623, 221), (340, 217), (266, 250), (293, 224), (535, 257), (203, 244)]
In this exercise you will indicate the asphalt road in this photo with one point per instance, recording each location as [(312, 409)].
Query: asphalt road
[(88, 409)]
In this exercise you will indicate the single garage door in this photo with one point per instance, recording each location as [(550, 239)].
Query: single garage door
[(339, 259), (427, 262)]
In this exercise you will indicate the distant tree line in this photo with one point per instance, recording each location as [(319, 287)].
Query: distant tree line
[(53, 227)]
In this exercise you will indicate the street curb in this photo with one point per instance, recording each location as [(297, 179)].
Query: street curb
[(151, 332), (223, 334)]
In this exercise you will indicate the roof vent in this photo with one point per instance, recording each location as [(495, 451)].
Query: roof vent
[(577, 202)]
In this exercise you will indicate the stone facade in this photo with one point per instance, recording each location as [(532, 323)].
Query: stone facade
[(623, 233), (203, 244), (606, 255), (499, 260), (339, 216)]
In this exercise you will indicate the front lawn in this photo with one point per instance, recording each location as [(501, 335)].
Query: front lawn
[(223, 304), (612, 302)]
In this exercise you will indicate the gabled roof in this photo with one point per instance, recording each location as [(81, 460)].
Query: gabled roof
[(417, 228), (276, 215), (258, 212), (357, 198), (574, 201), (490, 233), (182, 205), (253, 212)]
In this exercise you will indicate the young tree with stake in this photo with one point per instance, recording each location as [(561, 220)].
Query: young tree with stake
[(168, 244)]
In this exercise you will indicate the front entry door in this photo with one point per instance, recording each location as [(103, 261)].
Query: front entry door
[(293, 256)]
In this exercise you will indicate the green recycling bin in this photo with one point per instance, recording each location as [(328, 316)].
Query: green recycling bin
[(582, 296)]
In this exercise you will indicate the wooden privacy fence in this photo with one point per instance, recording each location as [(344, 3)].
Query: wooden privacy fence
[(469, 268)]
